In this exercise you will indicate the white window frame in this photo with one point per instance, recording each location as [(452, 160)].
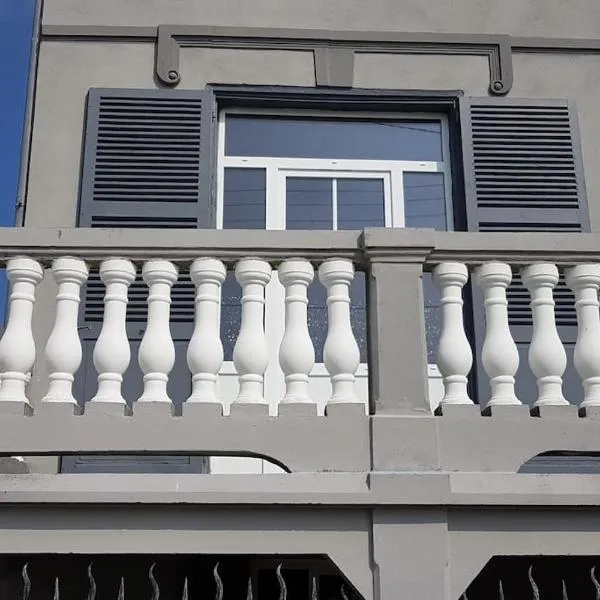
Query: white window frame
[(319, 167), (280, 212)]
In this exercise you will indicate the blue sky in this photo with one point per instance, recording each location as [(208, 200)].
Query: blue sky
[(16, 27)]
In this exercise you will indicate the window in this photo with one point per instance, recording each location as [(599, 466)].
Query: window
[(350, 171), (324, 170)]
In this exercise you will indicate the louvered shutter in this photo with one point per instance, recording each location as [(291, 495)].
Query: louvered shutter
[(523, 173), (147, 164)]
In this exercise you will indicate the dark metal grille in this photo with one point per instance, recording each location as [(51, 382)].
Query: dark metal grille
[(122, 593), (535, 591)]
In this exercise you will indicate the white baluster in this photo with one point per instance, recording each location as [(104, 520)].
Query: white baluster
[(547, 356), (17, 347), (584, 280), (296, 353), (340, 354), (157, 350), (250, 354), (112, 352), (63, 349), (205, 350), (454, 356), (500, 356)]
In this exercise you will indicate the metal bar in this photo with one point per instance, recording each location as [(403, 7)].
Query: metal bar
[(92, 582), (218, 583), (26, 583), (534, 587), (184, 595), (153, 583), (595, 582), (282, 585)]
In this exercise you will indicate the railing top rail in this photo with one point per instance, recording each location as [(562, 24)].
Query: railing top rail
[(385, 244), (178, 245), (434, 247)]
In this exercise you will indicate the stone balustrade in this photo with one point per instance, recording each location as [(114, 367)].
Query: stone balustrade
[(157, 354), (395, 261), (499, 355)]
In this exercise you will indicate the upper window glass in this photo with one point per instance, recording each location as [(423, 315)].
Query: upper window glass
[(320, 137)]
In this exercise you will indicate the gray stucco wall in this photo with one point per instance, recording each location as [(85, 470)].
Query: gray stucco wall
[(578, 18), (68, 68), (410, 544)]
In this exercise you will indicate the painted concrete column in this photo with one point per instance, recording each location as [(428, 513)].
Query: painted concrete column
[(157, 350), (296, 353), (547, 356), (410, 554), (63, 349), (340, 353), (499, 355), (112, 352), (454, 355), (17, 347), (250, 353), (397, 350), (584, 280), (205, 350)]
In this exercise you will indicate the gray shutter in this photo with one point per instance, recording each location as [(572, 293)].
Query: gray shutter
[(147, 164), (523, 173)]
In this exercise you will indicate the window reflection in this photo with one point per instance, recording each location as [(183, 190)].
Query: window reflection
[(360, 203), (309, 203), (318, 137), (244, 198), (425, 201), (425, 206)]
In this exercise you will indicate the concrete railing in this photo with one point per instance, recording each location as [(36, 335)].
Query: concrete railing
[(395, 260), (55, 264)]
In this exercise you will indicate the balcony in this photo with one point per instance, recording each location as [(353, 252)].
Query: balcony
[(333, 422)]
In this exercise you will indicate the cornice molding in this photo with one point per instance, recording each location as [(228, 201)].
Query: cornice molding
[(334, 51)]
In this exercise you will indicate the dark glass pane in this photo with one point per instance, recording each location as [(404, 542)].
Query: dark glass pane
[(317, 315), (425, 206), (231, 314), (333, 138), (244, 195), (244, 199), (433, 316), (360, 203), (309, 203), (358, 312), (425, 201)]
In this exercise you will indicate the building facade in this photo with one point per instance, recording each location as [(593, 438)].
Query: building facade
[(311, 285)]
